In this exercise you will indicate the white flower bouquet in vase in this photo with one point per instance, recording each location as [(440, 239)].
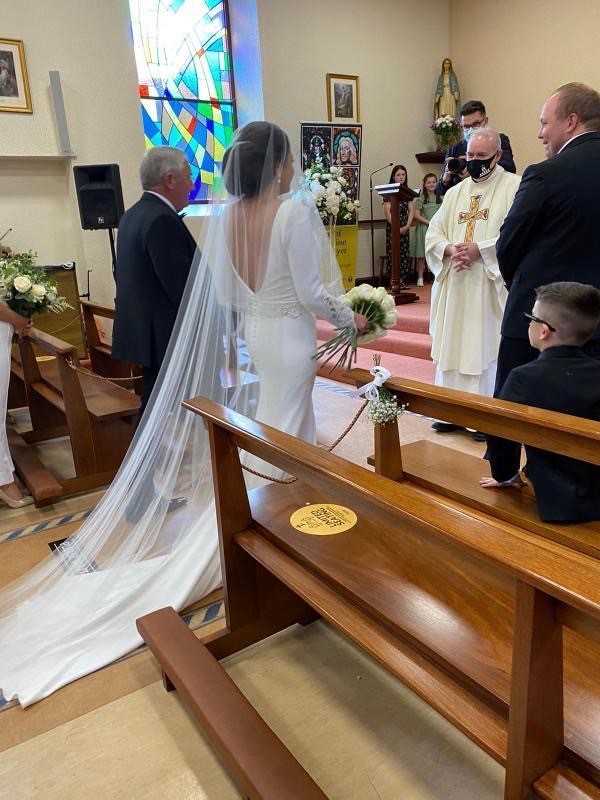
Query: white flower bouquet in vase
[(328, 188), (377, 306), (27, 289)]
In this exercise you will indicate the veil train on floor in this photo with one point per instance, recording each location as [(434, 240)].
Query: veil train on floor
[(75, 612)]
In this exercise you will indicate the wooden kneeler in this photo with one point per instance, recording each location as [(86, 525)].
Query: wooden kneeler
[(259, 763)]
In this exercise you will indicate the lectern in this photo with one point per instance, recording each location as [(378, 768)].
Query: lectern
[(396, 193)]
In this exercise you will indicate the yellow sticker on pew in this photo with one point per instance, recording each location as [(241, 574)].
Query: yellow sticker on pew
[(323, 519)]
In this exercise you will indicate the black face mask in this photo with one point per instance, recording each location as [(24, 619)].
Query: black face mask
[(480, 167)]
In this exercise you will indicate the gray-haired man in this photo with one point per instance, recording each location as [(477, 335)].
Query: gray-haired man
[(155, 251)]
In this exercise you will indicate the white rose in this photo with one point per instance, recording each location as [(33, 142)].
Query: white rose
[(381, 293), (390, 319), (38, 291), (365, 292), (22, 284)]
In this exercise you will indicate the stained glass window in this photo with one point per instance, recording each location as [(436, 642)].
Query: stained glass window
[(185, 81)]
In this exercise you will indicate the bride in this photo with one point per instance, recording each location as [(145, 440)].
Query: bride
[(245, 337)]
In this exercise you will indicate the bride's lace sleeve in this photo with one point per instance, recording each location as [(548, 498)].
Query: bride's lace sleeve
[(304, 252)]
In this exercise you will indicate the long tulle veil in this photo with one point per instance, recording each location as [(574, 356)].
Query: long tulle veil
[(75, 612)]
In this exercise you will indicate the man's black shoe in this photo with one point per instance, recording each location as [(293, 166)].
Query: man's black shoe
[(479, 436), (445, 427)]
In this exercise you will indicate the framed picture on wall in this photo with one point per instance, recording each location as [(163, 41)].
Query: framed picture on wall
[(343, 105), (14, 86)]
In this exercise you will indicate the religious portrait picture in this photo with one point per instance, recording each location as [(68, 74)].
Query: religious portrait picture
[(346, 146), (352, 176), (14, 86), (342, 98), (315, 145)]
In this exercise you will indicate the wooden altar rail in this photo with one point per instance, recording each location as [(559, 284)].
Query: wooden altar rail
[(96, 415), (470, 612), (447, 471)]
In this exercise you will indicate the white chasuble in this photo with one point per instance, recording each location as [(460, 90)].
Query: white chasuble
[(467, 306)]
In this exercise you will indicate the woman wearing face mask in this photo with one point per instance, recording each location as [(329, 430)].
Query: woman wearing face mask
[(399, 175)]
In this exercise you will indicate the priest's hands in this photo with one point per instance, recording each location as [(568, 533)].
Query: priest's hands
[(462, 255), (515, 483)]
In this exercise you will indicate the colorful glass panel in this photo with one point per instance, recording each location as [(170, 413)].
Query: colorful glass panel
[(185, 81)]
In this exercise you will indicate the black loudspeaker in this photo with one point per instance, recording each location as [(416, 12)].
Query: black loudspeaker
[(99, 196)]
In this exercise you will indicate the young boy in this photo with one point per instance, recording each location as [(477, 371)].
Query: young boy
[(563, 378)]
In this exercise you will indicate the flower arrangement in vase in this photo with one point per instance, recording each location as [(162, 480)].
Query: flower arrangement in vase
[(447, 131)]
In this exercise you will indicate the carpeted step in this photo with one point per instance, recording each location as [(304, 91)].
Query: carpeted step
[(416, 369), (405, 343)]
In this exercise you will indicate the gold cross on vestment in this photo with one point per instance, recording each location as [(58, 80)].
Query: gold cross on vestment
[(471, 216)]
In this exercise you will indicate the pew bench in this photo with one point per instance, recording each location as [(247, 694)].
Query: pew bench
[(261, 764), (446, 471), (100, 348), (97, 416), (471, 613)]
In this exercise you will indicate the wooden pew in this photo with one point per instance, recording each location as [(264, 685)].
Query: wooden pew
[(446, 471), (99, 348), (435, 591), (260, 764), (95, 414)]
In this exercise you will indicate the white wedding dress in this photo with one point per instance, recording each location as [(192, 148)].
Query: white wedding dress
[(76, 611)]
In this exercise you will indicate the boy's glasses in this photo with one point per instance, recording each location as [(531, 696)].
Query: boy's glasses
[(532, 318)]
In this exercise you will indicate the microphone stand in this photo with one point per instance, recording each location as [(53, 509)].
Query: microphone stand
[(375, 171)]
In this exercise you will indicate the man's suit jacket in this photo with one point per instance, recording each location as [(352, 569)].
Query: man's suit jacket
[(155, 251), (552, 231), (459, 150), (561, 379)]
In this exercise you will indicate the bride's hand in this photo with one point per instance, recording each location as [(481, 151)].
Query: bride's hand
[(361, 322)]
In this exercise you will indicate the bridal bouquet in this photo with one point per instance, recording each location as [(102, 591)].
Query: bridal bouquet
[(328, 188), (377, 306), (447, 130), (27, 289)]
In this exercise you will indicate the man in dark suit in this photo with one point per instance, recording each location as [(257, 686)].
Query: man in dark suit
[(155, 251), (563, 378), (473, 117), (552, 231)]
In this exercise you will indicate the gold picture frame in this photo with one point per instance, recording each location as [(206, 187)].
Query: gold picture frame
[(343, 101), (14, 84)]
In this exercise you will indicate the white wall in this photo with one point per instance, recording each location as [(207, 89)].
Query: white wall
[(396, 47), (89, 43), (514, 56)]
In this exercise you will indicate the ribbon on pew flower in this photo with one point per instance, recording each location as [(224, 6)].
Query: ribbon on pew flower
[(370, 391), (383, 405)]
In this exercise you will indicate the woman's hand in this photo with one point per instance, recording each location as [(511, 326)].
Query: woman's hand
[(22, 325), (404, 229), (361, 322)]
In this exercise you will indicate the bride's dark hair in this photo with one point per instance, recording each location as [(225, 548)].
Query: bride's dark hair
[(259, 148)]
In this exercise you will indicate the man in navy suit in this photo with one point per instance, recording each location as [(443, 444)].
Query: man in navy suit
[(473, 117), (552, 231), (563, 378), (155, 251)]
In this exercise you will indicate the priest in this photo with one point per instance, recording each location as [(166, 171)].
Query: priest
[(468, 294)]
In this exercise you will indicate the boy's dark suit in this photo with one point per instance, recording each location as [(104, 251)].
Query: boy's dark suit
[(155, 251), (551, 233), (563, 379)]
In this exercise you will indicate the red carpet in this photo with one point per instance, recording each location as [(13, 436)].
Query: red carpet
[(405, 350)]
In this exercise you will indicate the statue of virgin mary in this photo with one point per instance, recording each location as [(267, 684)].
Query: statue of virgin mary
[(447, 93)]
